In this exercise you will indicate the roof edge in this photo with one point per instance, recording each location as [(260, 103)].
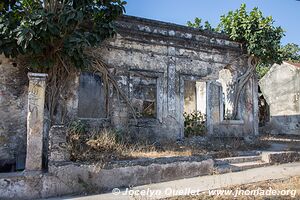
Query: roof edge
[(297, 64), (154, 22)]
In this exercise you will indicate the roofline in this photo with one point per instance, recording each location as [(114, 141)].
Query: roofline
[(170, 25), (284, 62), (291, 64), (153, 31)]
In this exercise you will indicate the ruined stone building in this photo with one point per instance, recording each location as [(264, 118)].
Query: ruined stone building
[(281, 90), (165, 70)]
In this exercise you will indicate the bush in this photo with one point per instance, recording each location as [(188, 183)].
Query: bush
[(194, 124)]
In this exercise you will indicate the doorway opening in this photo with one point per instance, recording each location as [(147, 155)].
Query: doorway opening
[(264, 109), (194, 108)]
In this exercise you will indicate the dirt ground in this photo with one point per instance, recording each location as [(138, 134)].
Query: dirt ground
[(108, 145)]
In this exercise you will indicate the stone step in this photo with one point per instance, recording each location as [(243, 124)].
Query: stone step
[(240, 159), (234, 167), (248, 153), (250, 165)]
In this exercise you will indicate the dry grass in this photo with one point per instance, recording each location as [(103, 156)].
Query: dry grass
[(286, 184), (108, 145), (95, 146)]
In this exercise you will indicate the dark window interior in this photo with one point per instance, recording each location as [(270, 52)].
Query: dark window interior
[(91, 103)]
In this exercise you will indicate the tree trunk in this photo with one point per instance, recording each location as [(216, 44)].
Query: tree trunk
[(241, 82)]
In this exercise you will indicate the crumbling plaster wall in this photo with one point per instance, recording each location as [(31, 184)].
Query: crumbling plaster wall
[(13, 110), (281, 89), (246, 123), (166, 52), (175, 54)]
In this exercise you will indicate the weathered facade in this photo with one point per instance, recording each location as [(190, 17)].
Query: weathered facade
[(13, 110), (164, 69), (281, 89)]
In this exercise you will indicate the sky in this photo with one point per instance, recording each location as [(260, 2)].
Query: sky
[(286, 13)]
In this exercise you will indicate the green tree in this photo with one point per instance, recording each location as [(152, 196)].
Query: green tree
[(198, 25), (259, 38), (195, 24), (262, 69), (57, 37), (48, 32), (291, 52)]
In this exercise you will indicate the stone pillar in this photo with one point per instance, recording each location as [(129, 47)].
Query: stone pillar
[(35, 121), (171, 90), (213, 105)]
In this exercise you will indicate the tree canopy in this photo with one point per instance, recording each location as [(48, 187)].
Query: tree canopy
[(260, 39), (198, 24), (53, 36), (291, 52), (49, 31), (257, 33)]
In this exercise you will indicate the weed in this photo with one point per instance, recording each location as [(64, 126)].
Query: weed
[(194, 124)]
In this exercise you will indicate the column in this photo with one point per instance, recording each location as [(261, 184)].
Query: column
[(213, 105), (35, 121)]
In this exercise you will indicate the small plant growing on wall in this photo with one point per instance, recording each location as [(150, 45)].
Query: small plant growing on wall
[(194, 124)]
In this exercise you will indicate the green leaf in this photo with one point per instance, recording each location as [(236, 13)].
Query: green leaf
[(40, 33)]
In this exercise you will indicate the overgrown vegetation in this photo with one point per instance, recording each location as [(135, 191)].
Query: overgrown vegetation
[(108, 145), (291, 53), (85, 145), (194, 124), (58, 37), (198, 25), (260, 40), (258, 35), (53, 32)]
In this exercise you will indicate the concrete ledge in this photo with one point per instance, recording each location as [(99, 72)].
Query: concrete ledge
[(20, 185), (203, 183), (281, 157), (66, 178), (160, 161), (98, 179)]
